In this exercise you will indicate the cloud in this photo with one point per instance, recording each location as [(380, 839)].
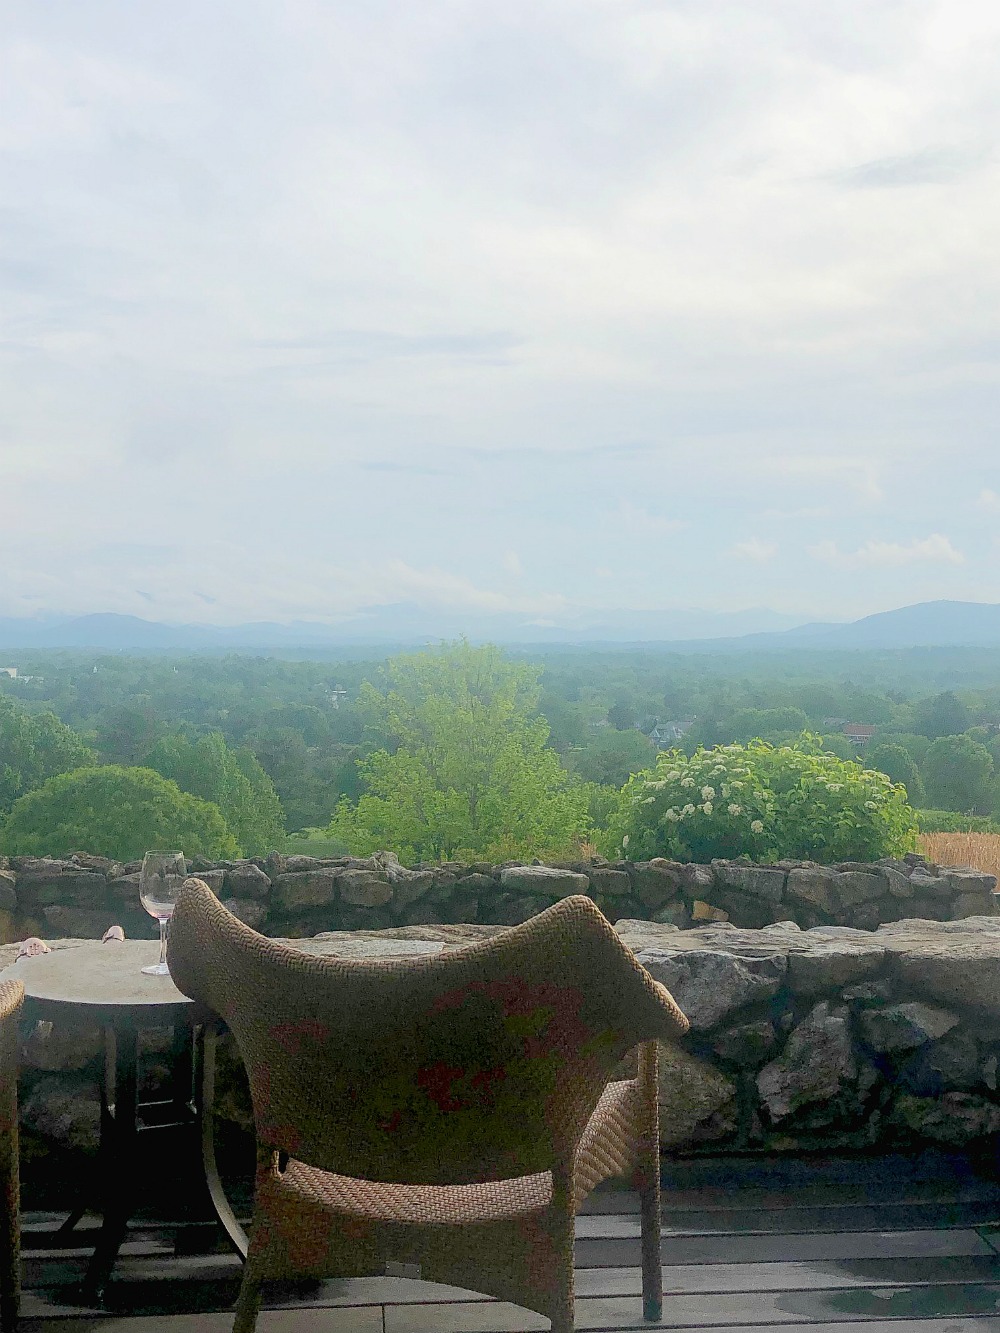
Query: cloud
[(989, 501), (760, 552), (512, 564), (927, 166), (637, 521), (935, 549), (862, 476)]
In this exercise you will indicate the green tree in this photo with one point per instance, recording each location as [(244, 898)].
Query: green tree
[(958, 775), (613, 756), (113, 811), (231, 779), (896, 762), (621, 715), (462, 763), (943, 715), (33, 748)]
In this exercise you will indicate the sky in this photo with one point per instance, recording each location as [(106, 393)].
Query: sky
[(536, 308)]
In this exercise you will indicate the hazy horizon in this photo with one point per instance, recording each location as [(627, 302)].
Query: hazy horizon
[(540, 311)]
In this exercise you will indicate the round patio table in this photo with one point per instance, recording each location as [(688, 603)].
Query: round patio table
[(103, 983)]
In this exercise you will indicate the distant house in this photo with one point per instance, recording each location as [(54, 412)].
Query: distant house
[(666, 734), (858, 733)]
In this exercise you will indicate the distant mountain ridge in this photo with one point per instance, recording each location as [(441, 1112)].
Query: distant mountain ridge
[(924, 624)]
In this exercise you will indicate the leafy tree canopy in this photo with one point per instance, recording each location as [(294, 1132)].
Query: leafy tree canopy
[(113, 811), (958, 775), (33, 748), (896, 762), (613, 756), (462, 764), (943, 715), (231, 779)]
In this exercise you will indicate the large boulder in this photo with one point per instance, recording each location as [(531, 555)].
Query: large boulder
[(816, 1065), (904, 1027), (709, 986), (697, 1101), (543, 880), (757, 881), (956, 963), (954, 1118), (246, 880), (305, 888)]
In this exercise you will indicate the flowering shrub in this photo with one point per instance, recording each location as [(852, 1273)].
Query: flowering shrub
[(762, 801)]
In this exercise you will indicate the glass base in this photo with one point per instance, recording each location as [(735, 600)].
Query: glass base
[(156, 970)]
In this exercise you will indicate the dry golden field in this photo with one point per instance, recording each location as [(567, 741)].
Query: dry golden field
[(981, 850)]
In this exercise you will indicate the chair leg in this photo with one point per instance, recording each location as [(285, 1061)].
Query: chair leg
[(652, 1277), (247, 1307), (9, 1275)]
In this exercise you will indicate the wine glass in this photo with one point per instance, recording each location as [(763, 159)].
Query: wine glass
[(160, 882)]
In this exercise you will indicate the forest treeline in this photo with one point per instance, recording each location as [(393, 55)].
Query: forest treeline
[(279, 746)]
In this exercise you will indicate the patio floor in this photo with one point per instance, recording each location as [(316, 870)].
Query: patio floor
[(748, 1244)]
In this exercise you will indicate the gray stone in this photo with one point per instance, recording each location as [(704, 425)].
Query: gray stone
[(613, 883), (869, 992), (510, 909), (964, 879), (57, 1047), (747, 1045), (79, 922), (305, 888), (758, 881), (364, 888), (248, 910), (954, 1118), (673, 914), (543, 880), (830, 962), (8, 895), (973, 904), (215, 879), (709, 986), (931, 885), (903, 1027), (68, 1112), (942, 1066), (696, 880), (656, 882), (408, 886), (956, 963), (697, 1101), (815, 1066), (897, 882), (247, 881), (80, 888), (856, 886), (813, 886)]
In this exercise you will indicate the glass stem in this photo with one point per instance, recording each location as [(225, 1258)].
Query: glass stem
[(163, 941)]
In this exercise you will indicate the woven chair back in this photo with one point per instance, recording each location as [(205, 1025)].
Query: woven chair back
[(482, 1063)]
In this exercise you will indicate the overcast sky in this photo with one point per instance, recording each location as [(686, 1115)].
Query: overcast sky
[(524, 306)]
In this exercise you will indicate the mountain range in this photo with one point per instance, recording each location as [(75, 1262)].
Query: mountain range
[(924, 624)]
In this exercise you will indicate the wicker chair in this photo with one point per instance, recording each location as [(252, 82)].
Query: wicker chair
[(447, 1112), (11, 995)]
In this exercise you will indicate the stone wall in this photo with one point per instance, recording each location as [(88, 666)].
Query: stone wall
[(823, 1039), (297, 896)]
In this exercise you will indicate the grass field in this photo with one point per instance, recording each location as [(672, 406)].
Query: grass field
[(981, 850)]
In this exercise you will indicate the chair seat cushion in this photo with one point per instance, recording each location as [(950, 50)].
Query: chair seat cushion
[(447, 1205)]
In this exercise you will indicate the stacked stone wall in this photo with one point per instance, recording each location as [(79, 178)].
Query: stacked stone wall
[(296, 896)]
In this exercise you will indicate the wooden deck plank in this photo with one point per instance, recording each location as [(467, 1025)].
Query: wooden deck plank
[(823, 1194), (805, 1247), (751, 1221), (270, 1321)]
